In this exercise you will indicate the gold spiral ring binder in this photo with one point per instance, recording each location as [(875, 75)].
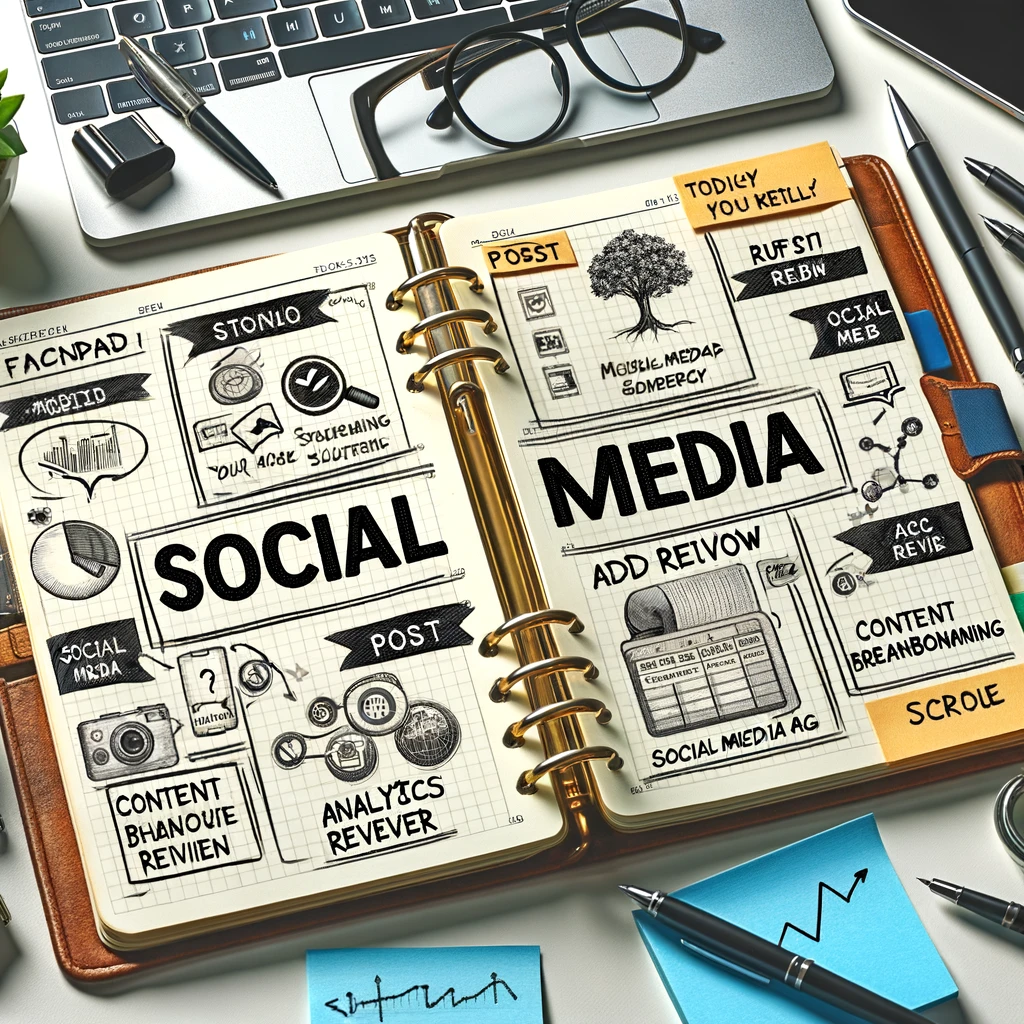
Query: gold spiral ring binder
[(528, 620), (527, 783), (449, 316), (515, 734), (394, 300), (544, 667), (449, 358)]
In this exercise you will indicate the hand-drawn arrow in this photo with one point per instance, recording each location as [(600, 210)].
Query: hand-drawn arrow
[(859, 877)]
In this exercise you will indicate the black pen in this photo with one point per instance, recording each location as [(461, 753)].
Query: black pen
[(719, 940), (997, 180), (960, 231), (167, 88), (1007, 915), (1007, 236)]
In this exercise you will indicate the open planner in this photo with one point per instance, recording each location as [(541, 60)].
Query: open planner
[(380, 563)]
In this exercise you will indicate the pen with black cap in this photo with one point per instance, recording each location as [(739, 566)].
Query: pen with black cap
[(1001, 912), (763, 961), (995, 179), (167, 88), (960, 231)]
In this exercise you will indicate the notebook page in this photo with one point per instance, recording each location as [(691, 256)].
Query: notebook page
[(731, 474), (255, 590)]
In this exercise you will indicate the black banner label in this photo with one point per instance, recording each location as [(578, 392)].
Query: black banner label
[(125, 387), (97, 655), (404, 636), (289, 313), (911, 539), (800, 273), (849, 324)]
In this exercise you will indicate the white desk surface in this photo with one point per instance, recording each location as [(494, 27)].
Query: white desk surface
[(595, 967)]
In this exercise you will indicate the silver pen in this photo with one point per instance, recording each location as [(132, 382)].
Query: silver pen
[(167, 88)]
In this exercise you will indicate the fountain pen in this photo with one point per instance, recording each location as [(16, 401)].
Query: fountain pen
[(761, 960), (167, 88), (1006, 915)]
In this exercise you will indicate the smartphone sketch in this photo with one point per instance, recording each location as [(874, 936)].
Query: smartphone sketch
[(206, 680)]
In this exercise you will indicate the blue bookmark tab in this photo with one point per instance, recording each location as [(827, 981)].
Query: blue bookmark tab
[(931, 346), (983, 420)]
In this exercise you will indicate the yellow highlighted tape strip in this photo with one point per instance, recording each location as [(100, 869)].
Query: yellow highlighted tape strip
[(528, 255), (949, 714), (789, 182)]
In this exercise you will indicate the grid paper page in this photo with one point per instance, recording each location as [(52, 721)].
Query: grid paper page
[(255, 593), (730, 472)]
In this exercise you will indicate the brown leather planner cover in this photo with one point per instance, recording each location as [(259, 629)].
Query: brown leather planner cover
[(48, 827)]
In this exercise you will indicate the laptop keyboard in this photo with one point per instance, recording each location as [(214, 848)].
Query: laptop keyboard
[(230, 44)]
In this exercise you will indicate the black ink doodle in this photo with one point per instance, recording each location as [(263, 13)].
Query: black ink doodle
[(640, 267), (877, 383), (102, 654), (350, 757), (823, 887), (536, 302), (844, 325), (429, 736), (236, 378), (206, 681), (128, 743), (74, 560), (886, 479), (316, 386), (376, 705), (489, 993), (561, 380), (800, 273), (47, 405), (83, 453)]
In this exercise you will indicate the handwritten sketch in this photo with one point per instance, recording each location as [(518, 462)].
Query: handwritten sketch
[(561, 380), (419, 995), (350, 756), (206, 680), (823, 887), (876, 383), (255, 677), (128, 743), (701, 652), (75, 560), (641, 267), (376, 705), (550, 341), (429, 736), (886, 478), (536, 302), (316, 386), (57, 460), (236, 378), (250, 430)]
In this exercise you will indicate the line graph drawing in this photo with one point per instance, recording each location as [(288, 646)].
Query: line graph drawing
[(487, 995), (815, 936)]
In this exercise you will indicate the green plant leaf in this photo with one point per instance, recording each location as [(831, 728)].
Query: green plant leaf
[(3, 77), (8, 108), (11, 138), (6, 151)]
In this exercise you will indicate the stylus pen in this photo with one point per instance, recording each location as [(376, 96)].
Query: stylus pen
[(167, 88), (960, 231), (1007, 915), (1007, 236), (997, 180), (751, 955)]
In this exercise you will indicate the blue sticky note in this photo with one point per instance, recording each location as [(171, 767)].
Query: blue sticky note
[(445, 985), (835, 898)]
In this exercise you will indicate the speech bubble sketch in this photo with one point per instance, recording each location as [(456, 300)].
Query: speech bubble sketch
[(877, 383), (58, 459)]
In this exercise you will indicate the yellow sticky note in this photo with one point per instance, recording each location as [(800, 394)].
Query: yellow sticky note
[(788, 182), (528, 255), (949, 714)]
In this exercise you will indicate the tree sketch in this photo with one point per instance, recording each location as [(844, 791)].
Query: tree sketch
[(641, 267)]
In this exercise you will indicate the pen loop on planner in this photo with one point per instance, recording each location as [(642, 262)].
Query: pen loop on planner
[(1008, 831)]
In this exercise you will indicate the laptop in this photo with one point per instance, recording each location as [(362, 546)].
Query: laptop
[(280, 74)]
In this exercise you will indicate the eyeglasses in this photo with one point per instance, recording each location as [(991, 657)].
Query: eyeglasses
[(483, 73)]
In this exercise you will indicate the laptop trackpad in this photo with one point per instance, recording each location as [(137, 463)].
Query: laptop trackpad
[(412, 146)]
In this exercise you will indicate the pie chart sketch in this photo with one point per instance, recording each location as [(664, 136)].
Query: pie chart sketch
[(75, 560)]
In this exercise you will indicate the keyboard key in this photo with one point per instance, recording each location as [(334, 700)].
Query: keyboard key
[(339, 19), (349, 50), (243, 72), (242, 8), (138, 19), (236, 37), (70, 31), (294, 3), (79, 105), (472, 5), (179, 47), (432, 8), (385, 12), (127, 95), (202, 78), (288, 28), (182, 13), (37, 7), (79, 67)]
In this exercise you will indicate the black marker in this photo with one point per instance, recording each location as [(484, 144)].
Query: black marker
[(763, 961), (1006, 915), (1007, 236), (997, 180), (960, 231)]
